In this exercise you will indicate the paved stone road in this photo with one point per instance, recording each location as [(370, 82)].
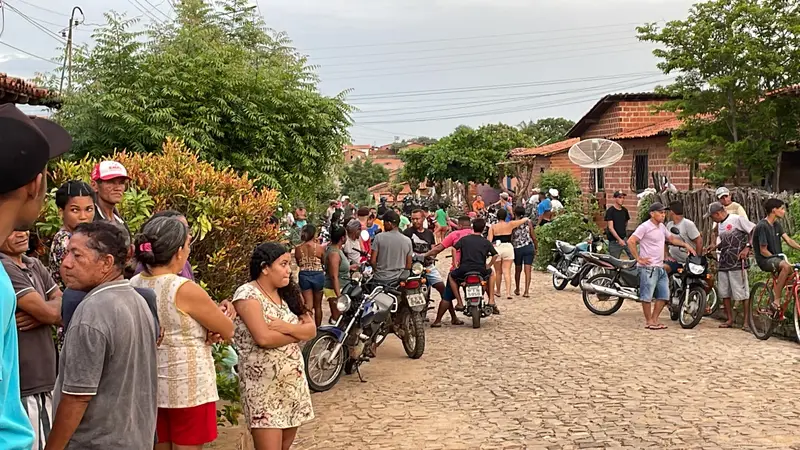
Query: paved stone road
[(549, 374)]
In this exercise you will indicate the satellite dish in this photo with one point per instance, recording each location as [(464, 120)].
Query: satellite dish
[(595, 153)]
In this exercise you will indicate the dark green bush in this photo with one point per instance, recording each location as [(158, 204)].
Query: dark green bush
[(568, 226)]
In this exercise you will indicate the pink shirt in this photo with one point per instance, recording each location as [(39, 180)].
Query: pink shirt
[(652, 238), (451, 239)]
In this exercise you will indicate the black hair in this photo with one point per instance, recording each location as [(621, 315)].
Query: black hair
[(73, 188), (772, 203), (519, 212), (502, 214), (676, 207), (478, 225), (158, 241), (464, 220), (167, 213), (265, 255), (362, 212), (337, 234), (308, 233), (106, 238), (417, 211)]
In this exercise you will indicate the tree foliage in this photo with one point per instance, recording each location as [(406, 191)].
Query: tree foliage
[(215, 77), (568, 186), (360, 175), (467, 155), (547, 130), (728, 55)]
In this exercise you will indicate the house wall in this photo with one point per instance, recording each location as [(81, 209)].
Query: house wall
[(626, 116)]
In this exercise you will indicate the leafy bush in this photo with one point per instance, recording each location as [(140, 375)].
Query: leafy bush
[(229, 216), (568, 186), (644, 208), (568, 226)]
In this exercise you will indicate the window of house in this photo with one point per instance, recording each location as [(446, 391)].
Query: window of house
[(597, 180), (640, 171)]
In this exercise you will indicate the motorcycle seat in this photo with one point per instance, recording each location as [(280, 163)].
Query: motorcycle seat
[(617, 263), (565, 247)]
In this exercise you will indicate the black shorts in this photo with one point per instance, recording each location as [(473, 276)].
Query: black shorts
[(524, 255), (770, 264), (461, 273)]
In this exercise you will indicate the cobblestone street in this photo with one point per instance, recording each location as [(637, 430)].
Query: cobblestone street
[(547, 373)]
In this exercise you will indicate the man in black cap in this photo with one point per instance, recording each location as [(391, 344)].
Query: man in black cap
[(26, 144), (617, 218)]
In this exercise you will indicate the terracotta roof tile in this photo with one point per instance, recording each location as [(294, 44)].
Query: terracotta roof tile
[(657, 129), (546, 150), (17, 90), (788, 90)]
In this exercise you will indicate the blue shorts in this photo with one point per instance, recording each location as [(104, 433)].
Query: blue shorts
[(524, 255), (311, 280), (653, 284), (434, 277)]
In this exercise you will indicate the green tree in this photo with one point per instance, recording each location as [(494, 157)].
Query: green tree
[(547, 130), (360, 175), (728, 54), (467, 155), (567, 185), (217, 78)]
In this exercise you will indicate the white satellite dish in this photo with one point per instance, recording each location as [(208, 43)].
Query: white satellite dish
[(595, 154)]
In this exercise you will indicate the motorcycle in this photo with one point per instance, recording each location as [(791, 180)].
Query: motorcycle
[(347, 344), (569, 262), (689, 286), (474, 287), (407, 323)]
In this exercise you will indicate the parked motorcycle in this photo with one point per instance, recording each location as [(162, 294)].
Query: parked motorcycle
[(474, 288), (687, 290), (344, 346), (617, 282), (407, 323), (568, 262)]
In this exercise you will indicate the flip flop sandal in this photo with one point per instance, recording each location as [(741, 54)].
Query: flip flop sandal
[(457, 322), (725, 325), (436, 325)]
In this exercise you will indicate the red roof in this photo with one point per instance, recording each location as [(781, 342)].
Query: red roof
[(357, 147), (788, 90), (546, 150), (662, 128), (17, 90)]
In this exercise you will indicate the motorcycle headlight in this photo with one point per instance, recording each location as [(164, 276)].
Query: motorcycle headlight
[(599, 246), (343, 303), (417, 268), (696, 269), (356, 277)]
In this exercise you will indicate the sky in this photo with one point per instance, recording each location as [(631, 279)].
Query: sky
[(417, 67)]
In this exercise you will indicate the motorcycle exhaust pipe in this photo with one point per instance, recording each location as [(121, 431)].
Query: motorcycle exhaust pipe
[(595, 289), (556, 272)]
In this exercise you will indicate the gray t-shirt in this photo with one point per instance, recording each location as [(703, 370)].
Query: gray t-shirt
[(393, 247), (688, 232), (110, 353)]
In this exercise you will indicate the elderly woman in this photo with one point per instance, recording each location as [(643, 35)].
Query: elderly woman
[(105, 395)]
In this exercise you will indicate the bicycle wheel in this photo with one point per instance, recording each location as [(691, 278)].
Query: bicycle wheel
[(796, 311), (761, 319)]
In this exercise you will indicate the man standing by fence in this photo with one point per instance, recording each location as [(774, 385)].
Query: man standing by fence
[(617, 218)]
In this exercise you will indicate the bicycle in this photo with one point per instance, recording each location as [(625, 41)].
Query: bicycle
[(763, 318)]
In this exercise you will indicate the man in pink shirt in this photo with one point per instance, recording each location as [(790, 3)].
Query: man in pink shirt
[(464, 229), (653, 285)]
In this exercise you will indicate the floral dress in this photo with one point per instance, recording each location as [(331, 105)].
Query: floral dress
[(272, 381), (58, 250)]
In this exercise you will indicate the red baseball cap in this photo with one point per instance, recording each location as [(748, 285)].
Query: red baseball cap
[(108, 170)]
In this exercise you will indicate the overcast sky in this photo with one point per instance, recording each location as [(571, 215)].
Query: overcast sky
[(422, 67)]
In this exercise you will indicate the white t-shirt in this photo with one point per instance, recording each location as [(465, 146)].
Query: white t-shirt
[(688, 232), (556, 205)]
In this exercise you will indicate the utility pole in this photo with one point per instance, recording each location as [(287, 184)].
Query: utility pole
[(68, 50)]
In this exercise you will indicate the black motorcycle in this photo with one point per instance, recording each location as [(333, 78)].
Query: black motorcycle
[(407, 323), (688, 290), (474, 288), (568, 261), (617, 282)]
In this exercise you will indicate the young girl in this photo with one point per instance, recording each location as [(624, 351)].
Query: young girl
[(75, 202), (311, 277)]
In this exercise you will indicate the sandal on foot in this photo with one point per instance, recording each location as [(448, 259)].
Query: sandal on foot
[(526, 296), (725, 325), (494, 309), (436, 325), (457, 322), (747, 329)]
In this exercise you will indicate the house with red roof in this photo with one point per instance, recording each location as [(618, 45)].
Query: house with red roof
[(19, 91)]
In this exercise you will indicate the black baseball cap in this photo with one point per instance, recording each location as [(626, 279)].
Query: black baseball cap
[(392, 217), (657, 207), (26, 144), (619, 194)]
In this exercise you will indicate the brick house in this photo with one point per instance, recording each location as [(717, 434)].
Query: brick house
[(354, 152), (19, 91), (532, 162)]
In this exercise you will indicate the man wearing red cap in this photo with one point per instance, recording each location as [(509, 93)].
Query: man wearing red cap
[(109, 181)]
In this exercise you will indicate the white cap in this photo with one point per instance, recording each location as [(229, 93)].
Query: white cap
[(553, 192), (344, 197), (721, 192), (108, 170), (504, 195)]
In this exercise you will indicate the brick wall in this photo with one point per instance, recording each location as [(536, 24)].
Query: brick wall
[(561, 162), (626, 116)]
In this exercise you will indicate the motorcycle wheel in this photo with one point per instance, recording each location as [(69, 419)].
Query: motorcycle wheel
[(712, 302), (674, 313), (601, 279), (476, 316), (558, 282), (413, 334), (693, 307), (315, 354)]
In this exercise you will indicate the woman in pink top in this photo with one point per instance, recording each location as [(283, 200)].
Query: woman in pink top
[(651, 236)]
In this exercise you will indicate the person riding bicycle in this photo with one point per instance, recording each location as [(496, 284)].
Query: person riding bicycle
[(475, 250), (767, 241)]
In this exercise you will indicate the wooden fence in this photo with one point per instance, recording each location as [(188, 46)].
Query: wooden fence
[(696, 203)]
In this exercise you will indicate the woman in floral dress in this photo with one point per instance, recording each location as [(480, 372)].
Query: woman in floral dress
[(271, 320)]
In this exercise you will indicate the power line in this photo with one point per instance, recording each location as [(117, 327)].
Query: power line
[(156, 8), (41, 27), (490, 87), (42, 8), (486, 36), (466, 47), (142, 9), (30, 54), (563, 102), (394, 133)]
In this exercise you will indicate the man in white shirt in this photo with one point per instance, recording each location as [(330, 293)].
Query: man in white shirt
[(554, 202)]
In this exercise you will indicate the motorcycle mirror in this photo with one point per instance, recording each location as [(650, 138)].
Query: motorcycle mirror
[(364, 235), (675, 230)]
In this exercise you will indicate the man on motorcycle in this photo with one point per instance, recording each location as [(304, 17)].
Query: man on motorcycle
[(687, 231), (650, 237), (735, 236), (391, 251), (474, 251), (422, 240)]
